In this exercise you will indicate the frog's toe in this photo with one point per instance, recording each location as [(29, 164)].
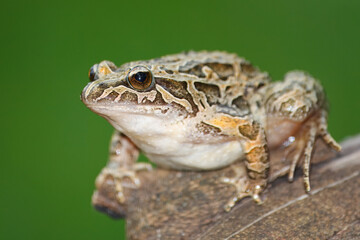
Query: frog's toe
[(294, 162), (245, 187), (121, 178), (251, 189)]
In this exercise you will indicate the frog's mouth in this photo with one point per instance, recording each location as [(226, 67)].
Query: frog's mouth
[(108, 109), (120, 99)]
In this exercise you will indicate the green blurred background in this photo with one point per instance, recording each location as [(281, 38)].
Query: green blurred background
[(53, 147)]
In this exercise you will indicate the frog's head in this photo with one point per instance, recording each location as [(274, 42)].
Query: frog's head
[(134, 91)]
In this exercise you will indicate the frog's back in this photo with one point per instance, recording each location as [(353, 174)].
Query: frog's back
[(224, 78), (225, 65)]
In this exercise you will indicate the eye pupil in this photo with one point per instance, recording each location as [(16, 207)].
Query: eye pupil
[(140, 76)]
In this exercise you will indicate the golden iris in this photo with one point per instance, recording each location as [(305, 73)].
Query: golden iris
[(140, 78)]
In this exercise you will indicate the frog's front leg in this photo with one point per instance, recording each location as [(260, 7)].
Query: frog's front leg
[(257, 165), (122, 164)]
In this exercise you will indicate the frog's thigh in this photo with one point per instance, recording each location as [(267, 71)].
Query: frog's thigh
[(256, 150)]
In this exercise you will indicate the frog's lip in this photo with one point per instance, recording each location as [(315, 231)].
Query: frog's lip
[(120, 108)]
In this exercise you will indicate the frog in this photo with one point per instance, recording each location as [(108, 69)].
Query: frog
[(206, 110)]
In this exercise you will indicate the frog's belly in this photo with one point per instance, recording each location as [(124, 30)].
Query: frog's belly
[(168, 143), (189, 156)]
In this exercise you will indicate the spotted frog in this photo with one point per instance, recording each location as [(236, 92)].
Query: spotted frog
[(206, 110)]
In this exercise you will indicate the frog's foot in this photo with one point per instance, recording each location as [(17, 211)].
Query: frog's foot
[(121, 177), (245, 187)]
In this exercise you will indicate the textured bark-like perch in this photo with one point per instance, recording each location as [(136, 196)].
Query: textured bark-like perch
[(189, 205)]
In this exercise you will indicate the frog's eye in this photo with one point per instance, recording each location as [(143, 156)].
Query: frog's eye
[(140, 78), (92, 73)]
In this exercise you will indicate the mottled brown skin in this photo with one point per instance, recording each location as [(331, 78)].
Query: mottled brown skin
[(206, 100)]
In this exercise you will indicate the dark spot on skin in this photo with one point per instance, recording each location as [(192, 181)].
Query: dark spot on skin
[(168, 71), (178, 89), (262, 173), (222, 70), (246, 91), (258, 104), (192, 67), (257, 154), (260, 85), (158, 101), (250, 131), (211, 91), (248, 69), (181, 110), (113, 95), (129, 97), (207, 129), (202, 104), (249, 89), (103, 85), (195, 68), (242, 105), (110, 98), (98, 91)]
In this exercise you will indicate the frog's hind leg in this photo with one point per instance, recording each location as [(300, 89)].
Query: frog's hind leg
[(307, 155), (294, 162), (304, 147), (315, 127), (122, 165), (325, 135)]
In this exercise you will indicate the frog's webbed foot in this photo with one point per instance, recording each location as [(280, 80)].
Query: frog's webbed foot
[(122, 177), (245, 187)]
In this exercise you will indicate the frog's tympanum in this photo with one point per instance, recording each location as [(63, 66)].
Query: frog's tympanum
[(206, 110)]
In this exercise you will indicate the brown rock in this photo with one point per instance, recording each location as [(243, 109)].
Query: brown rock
[(189, 205)]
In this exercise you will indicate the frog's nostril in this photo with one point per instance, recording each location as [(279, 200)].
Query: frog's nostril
[(92, 73)]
